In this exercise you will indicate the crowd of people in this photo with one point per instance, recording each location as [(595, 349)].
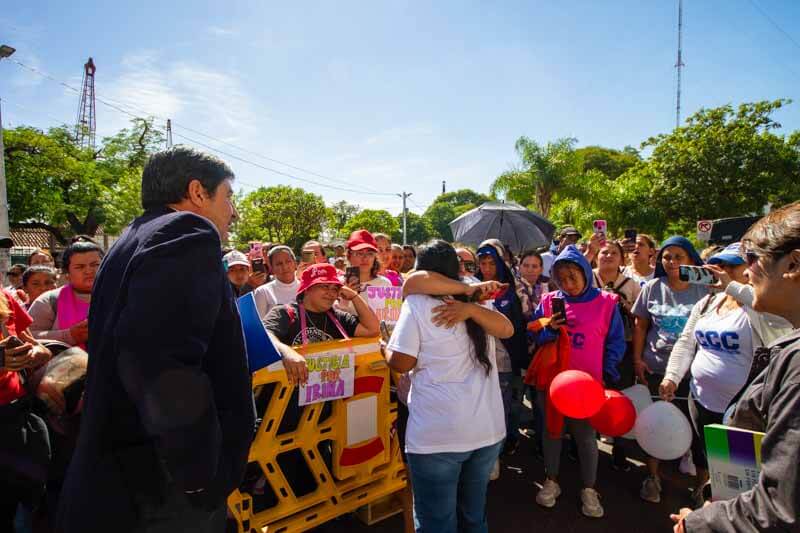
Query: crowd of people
[(153, 429)]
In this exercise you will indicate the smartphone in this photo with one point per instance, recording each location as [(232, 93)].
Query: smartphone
[(307, 256), (559, 307), (9, 343), (256, 250), (630, 235), (600, 228), (696, 275), (352, 277), (385, 331), (258, 265)]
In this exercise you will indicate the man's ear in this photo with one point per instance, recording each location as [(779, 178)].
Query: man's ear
[(196, 193)]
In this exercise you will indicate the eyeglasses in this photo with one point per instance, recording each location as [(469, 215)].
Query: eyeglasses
[(365, 253), (750, 257)]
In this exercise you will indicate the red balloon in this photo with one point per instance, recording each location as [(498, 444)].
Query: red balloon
[(576, 394), (616, 417)]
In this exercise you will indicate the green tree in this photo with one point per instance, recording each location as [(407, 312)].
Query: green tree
[(418, 229), (723, 162), (55, 185), (373, 220), (612, 163), (280, 214), (543, 172), (339, 214), (449, 206)]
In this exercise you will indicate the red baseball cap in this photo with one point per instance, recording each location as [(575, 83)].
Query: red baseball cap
[(318, 274), (362, 240)]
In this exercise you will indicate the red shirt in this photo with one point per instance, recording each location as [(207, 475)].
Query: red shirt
[(11, 387)]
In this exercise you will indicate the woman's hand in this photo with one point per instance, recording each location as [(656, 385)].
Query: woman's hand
[(295, 366), (451, 313), (723, 278), (557, 321), (641, 369), (667, 390), (257, 279), (20, 358), (80, 332), (347, 293), (485, 289), (678, 519)]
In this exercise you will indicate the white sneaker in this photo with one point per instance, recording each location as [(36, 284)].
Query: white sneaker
[(687, 464), (548, 493), (651, 490), (495, 471), (591, 503)]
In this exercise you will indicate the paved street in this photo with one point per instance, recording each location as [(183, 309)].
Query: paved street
[(512, 507)]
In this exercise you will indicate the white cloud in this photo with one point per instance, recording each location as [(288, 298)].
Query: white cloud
[(190, 94), (218, 31)]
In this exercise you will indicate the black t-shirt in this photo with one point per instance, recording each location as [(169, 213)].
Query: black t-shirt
[(283, 321)]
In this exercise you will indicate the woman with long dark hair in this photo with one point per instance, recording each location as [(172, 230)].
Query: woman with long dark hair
[(456, 424)]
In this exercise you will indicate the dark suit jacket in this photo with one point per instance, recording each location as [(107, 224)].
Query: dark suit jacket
[(168, 392)]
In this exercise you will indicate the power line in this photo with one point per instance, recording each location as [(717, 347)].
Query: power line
[(775, 24), (258, 165), (116, 106)]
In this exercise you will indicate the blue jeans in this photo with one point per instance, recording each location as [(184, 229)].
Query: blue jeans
[(511, 390), (450, 489)]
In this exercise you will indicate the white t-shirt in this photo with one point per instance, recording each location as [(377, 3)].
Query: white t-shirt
[(274, 293), (628, 271), (723, 359), (454, 406)]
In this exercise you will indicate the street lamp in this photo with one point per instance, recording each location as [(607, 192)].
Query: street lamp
[(5, 257)]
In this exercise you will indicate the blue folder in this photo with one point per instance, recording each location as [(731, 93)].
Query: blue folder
[(261, 352)]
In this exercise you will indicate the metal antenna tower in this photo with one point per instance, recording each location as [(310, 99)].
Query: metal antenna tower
[(169, 133), (86, 126), (679, 64)]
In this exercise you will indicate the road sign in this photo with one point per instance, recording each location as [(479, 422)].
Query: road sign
[(704, 230)]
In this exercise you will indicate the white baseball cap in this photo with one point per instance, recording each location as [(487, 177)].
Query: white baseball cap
[(236, 258)]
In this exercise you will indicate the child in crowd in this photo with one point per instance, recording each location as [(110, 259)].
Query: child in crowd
[(596, 346)]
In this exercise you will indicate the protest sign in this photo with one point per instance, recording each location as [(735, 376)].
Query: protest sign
[(330, 377), (386, 302)]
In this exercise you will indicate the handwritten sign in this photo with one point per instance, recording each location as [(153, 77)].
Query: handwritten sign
[(386, 302), (330, 377)]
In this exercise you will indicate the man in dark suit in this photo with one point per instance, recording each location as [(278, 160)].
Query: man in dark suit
[(168, 417)]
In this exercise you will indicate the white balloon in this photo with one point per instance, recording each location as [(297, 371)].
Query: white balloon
[(663, 431), (640, 396)]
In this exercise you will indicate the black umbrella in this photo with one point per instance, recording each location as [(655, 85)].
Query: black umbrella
[(520, 228)]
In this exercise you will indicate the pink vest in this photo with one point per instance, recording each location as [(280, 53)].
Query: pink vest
[(588, 325)]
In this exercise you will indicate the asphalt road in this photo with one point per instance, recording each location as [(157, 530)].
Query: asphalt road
[(512, 506)]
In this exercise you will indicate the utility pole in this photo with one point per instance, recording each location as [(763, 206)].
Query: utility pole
[(5, 256), (169, 134), (404, 196), (679, 64)]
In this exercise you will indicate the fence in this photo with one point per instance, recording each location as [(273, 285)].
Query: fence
[(310, 464)]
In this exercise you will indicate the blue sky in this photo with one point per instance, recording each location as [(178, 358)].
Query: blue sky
[(391, 96)]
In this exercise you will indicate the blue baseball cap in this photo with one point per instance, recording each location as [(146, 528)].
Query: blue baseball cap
[(731, 255)]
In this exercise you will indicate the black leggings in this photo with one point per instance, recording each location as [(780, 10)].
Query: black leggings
[(701, 417)]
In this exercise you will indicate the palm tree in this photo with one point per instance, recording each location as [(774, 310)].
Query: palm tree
[(543, 170)]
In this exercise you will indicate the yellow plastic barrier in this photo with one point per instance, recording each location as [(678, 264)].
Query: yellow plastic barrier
[(311, 464)]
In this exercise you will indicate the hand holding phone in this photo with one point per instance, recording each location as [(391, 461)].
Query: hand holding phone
[(696, 275), (559, 313), (600, 229), (352, 278), (307, 256), (7, 347)]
